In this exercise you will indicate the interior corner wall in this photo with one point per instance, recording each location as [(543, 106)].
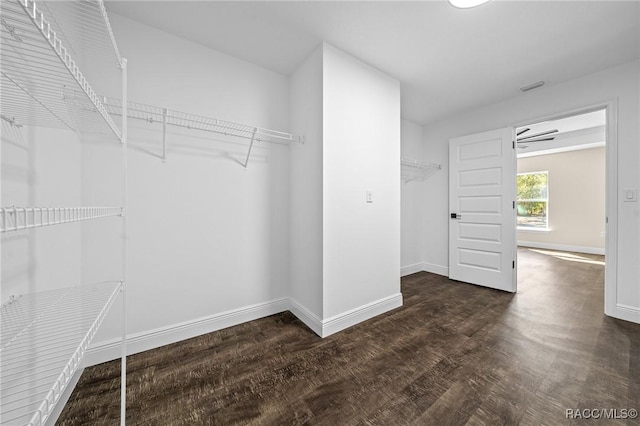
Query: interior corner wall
[(361, 151), (411, 195), (306, 190), (208, 240), (576, 210), (619, 84)]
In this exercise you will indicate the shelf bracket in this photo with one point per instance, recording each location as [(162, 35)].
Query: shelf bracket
[(11, 121), (165, 113), (253, 139)]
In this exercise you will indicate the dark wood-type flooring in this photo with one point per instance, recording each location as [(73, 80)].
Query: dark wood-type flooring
[(453, 354)]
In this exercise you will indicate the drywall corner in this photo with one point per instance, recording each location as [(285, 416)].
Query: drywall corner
[(306, 87), (361, 152)]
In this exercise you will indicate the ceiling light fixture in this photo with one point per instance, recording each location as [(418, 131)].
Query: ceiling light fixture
[(466, 4)]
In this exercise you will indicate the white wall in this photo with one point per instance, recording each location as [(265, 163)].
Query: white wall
[(618, 83), (345, 251), (576, 210), (361, 150), (412, 199), (306, 186), (205, 236), (40, 167)]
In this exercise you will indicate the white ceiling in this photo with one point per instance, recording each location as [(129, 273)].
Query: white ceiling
[(448, 60), (575, 132)]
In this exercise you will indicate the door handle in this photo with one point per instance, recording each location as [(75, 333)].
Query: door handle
[(456, 216)]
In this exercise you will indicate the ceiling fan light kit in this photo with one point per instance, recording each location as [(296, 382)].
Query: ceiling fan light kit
[(467, 4)]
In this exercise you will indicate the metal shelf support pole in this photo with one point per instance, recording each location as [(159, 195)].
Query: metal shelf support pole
[(123, 365), (165, 113)]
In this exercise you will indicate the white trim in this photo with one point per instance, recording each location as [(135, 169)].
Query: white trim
[(627, 313), (611, 236), (305, 315), (411, 269), (525, 229), (362, 313), (435, 269), (611, 242), (563, 149), (561, 247), (143, 341)]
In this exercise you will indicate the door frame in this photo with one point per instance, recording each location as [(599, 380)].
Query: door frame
[(611, 191)]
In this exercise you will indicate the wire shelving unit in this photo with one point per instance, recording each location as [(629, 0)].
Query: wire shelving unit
[(414, 170), (17, 218), (37, 66), (45, 334), (171, 118), (44, 338)]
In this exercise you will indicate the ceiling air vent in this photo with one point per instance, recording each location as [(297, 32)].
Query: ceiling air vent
[(532, 86)]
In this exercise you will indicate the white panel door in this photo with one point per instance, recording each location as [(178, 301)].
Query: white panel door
[(482, 223)]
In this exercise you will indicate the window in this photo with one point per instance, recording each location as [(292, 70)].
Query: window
[(533, 200)]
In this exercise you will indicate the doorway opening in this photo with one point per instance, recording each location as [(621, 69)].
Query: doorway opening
[(562, 203)]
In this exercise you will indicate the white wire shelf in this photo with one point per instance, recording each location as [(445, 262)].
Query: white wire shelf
[(17, 218), (44, 338), (414, 170), (85, 29), (36, 66), (165, 118)]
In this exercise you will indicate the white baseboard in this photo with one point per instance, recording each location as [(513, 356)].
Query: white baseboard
[(362, 313), (561, 247), (305, 315), (411, 269), (144, 341), (435, 269), (627, 313), (140, 342)]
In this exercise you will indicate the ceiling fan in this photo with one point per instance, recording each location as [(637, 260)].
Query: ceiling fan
[(537, 137)]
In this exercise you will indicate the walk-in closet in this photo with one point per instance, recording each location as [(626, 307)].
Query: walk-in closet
[(308, 212)]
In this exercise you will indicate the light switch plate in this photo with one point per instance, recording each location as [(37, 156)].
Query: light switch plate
[(369, 196), (630, 195)]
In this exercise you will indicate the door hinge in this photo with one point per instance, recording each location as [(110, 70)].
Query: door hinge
[(514, 144), (514, 204), (513, 264)]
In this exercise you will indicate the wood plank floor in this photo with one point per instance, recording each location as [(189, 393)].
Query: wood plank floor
[(453, 354)]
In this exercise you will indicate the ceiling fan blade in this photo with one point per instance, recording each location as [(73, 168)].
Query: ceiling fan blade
[(539, 134), (536, 140), (523, 131)]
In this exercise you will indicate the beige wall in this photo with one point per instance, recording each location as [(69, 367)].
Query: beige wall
[(576, 200)]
